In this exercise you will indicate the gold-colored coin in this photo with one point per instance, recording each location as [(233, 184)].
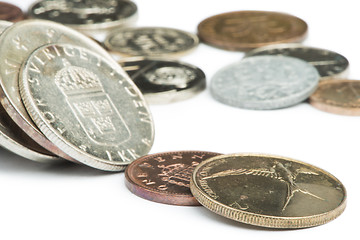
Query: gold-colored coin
[(268, 191)]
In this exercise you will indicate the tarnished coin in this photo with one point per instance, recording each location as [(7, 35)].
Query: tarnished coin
[(165, 177), (11, 13), (15, 46), (151, 42), (268, 191), (339, 96), (245, 30), (328, 63), (84, 15), (87, 106), (164, 81), (15, 140), (265, 82)]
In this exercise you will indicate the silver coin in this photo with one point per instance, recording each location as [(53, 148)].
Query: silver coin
[(328, 63), (151, 42), (163, 81), (87, 106), (265, 82), (85, 15), (4, 25), (17, 42)]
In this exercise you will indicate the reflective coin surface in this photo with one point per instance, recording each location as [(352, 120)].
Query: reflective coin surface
[(151, 42), (164, 81), (339, 96), (165, 177), (15, 46), (328, 63), (264, 82), (85, 14), (245, 30), (87, 106), (268, 191), (11, 13), (15, 140)]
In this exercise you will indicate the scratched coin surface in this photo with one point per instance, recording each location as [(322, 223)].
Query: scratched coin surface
[(328, 63), (87, 106), (15, 46), (264, 82), (11, 13), (268, 191), (165, 177), (151, 42), (164, 81), (86, 15), (245, 30), (339, 96)]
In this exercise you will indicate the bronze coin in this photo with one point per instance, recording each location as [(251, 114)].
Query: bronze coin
[(245, 30), (165, 177), (340, 96), (11, 13)]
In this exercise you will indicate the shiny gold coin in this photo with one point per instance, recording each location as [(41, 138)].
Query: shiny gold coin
[(268, 191), (339, 96), (245, 30)]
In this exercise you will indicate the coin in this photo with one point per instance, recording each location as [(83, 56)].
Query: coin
[(328, 63), (9, 12), (165, 177), (264, 82), (87, 106), (15, 140), (16, 43), (164, 81), (268, 191), (339, 96), (84, 15), (151, 42), (245, 30), (4, 25)]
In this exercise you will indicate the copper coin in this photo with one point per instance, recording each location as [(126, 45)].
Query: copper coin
[(245, 30), (9, 12), (340, 96), (165, 177)]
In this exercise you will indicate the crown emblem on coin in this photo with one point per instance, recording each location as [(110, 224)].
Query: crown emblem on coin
[(178, 173)]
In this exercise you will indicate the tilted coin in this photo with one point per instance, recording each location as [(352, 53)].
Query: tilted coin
[(165, 177), (268, 191), (245, 30), (164, 81), (86, 15), (264, 82), (4, 25), (328, 63), (9, 12), (16, 43), (151, 42), (339, 96), (87, 106), (15, 140)]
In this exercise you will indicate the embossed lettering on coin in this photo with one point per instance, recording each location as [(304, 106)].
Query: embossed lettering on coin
[(268, 191), (87, 106)]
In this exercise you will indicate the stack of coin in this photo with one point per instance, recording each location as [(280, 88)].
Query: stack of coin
[(74, 102)]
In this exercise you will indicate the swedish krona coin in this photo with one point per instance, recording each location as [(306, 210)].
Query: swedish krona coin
[(164, 81), (165, 177), (245, 30), (328, 63), (87, 106), (19, 41), (268, 191), (86, 15), (151, 42), (339, 96), (9, 12), (264, 82)]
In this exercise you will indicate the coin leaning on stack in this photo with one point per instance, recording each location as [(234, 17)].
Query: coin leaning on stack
[(76, 103)]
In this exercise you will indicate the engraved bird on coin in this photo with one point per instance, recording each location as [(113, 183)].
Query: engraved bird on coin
[(278, 172)]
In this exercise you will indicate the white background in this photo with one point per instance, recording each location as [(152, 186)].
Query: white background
[(68, 201)]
